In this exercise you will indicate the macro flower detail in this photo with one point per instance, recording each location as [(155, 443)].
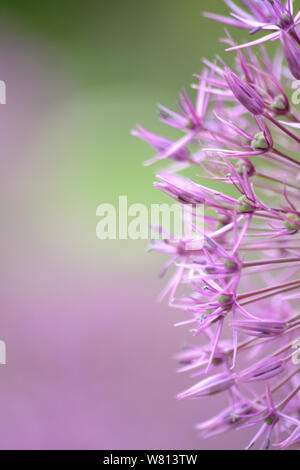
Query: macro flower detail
[(239, 289)]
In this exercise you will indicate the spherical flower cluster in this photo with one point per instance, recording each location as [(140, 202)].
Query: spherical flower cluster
[(239, 290)]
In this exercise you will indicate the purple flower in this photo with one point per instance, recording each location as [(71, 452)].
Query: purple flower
[(239, 290)]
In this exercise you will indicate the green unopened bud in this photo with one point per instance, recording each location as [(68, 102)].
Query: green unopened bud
[(245, 205), (260, 141), (293, 222), (279, 103)]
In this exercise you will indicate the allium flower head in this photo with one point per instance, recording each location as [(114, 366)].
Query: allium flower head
[(291, 48), (239, 290)]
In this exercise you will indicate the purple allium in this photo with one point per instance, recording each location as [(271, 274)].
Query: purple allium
[(244, 93), (239, 290), (291, 48), (261, 16)]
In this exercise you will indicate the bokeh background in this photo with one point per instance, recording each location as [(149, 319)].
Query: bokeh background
[(89, 350)]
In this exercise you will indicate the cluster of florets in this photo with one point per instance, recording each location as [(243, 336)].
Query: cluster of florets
[(240, 288)]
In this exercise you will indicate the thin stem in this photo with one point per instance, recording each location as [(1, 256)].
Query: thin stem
[(282, 128)]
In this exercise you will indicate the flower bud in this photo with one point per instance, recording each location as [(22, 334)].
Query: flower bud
[(244, 93), (263, 370), (263, 328)]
